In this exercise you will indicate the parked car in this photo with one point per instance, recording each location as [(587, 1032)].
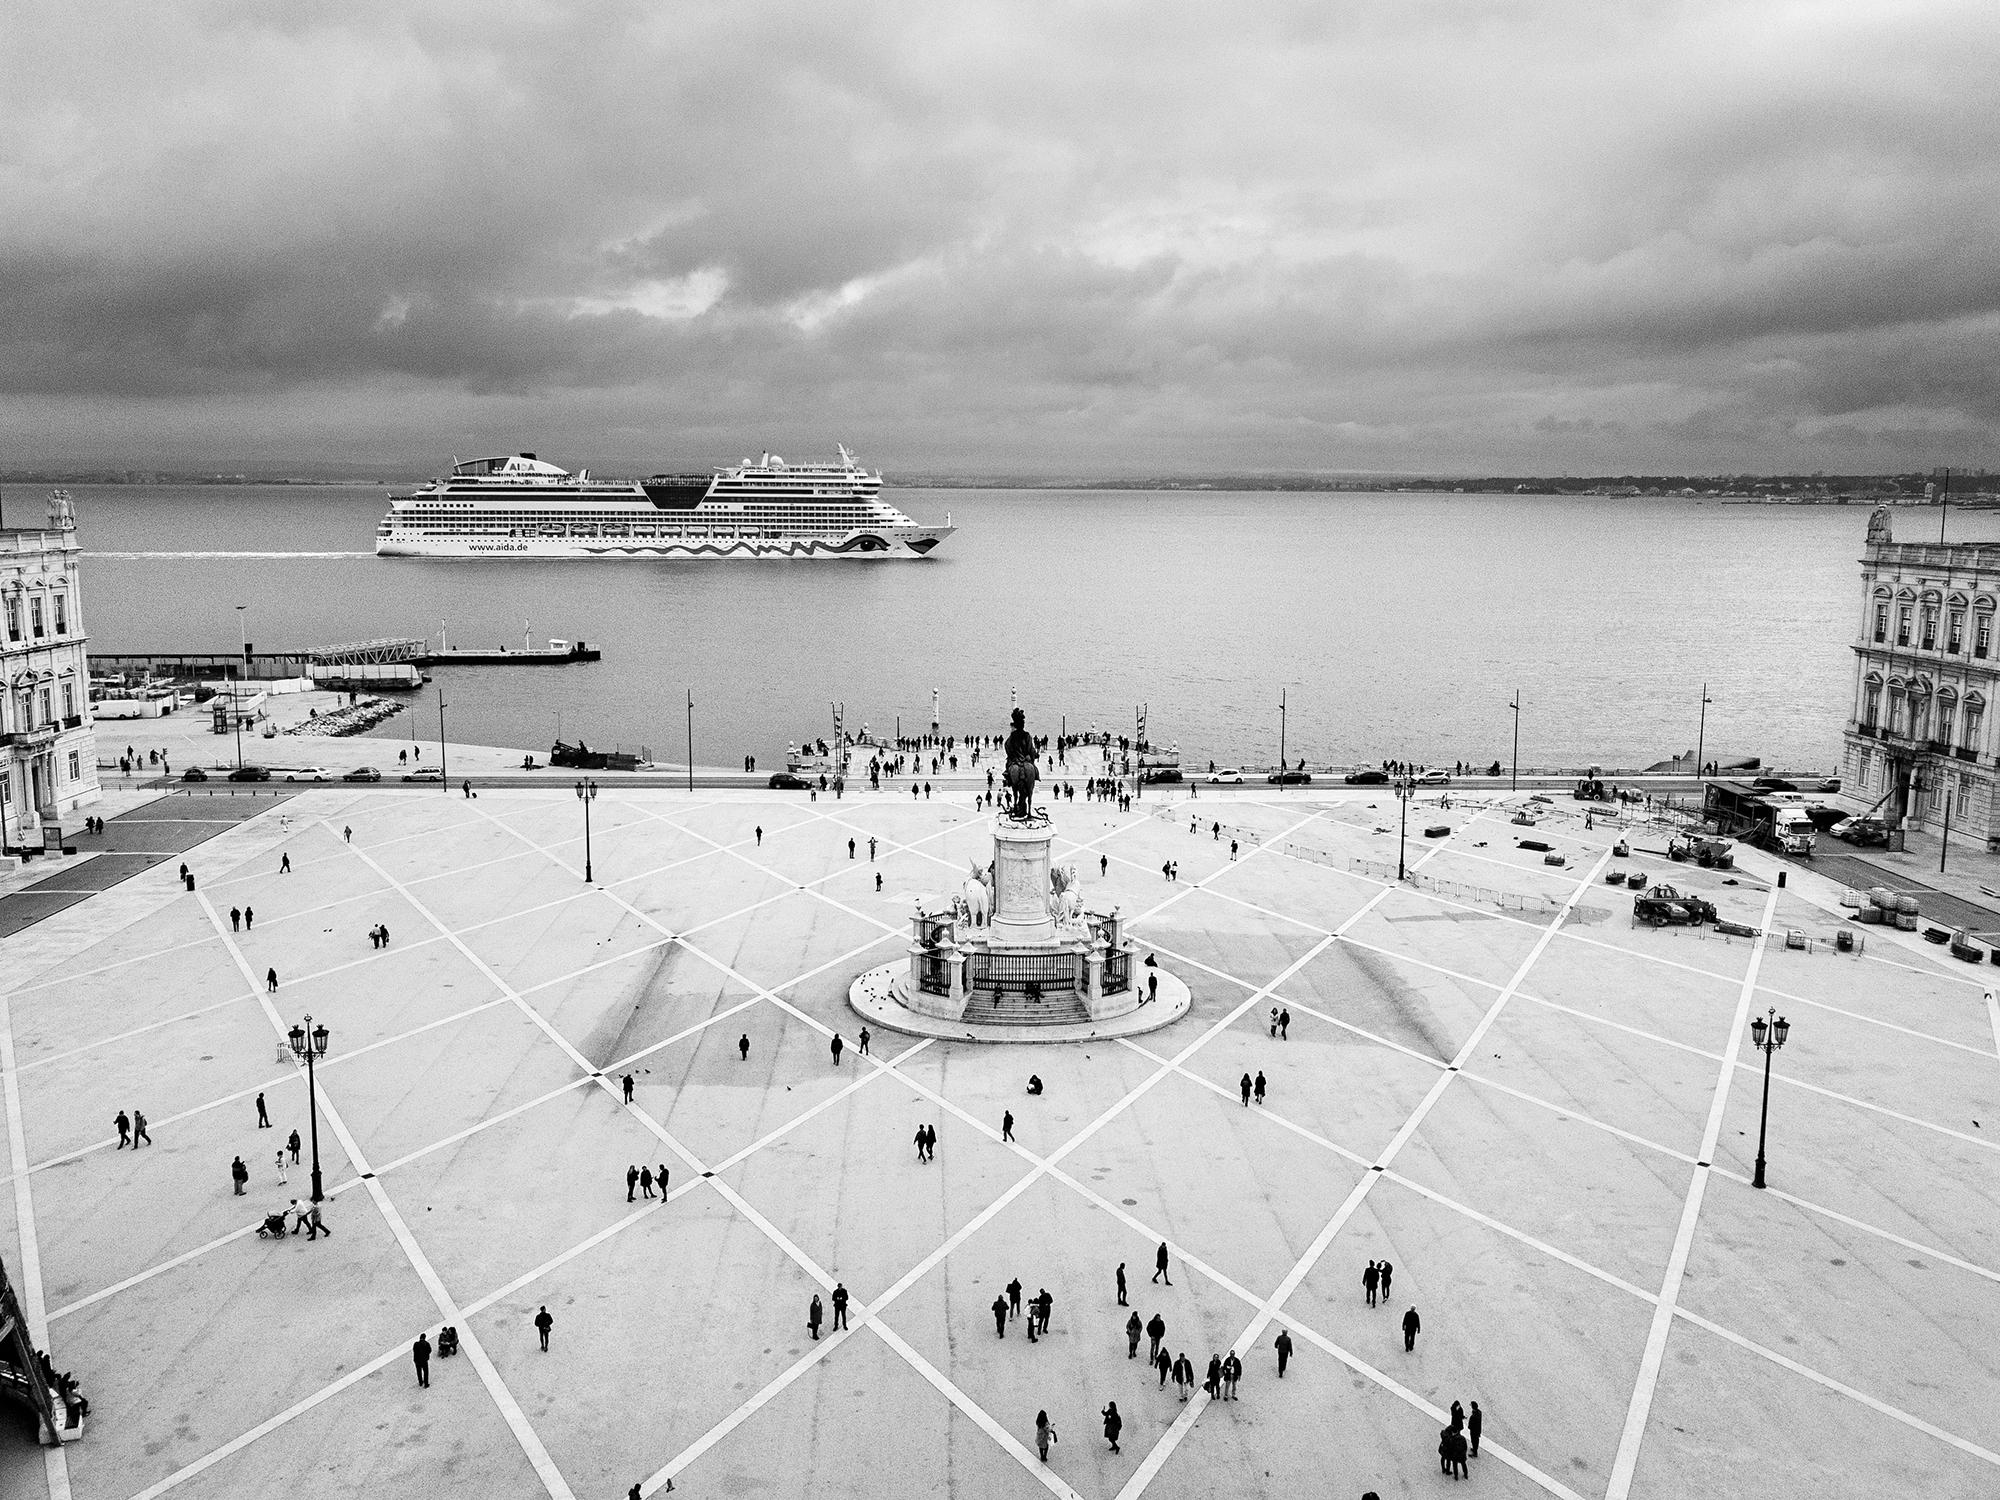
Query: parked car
[(1156, 775), (427, 773), (1227, 776), (363, 773), (249, 773), (1434, 778), (1863, 833), (1773, 784), (194, 773), (1367, 778), (1290, 778), (786, 781), (308, 773)]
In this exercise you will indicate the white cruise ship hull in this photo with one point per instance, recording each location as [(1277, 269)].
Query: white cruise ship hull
[(868, 544)]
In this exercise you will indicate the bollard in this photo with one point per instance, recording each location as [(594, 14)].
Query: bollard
[(1781, 879)]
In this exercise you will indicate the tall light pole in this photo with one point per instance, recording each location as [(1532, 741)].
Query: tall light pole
[(1701, 735), (1406, 788), (309, 1043), (690, 739), (242, 668), (1767, 1037), (1514, 770), (1281, 736), (443, 765), (586, 793)]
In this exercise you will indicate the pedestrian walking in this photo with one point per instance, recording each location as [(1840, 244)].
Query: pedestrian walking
[(837, 1047), (1160, 1265), (1113, 1424), (645, 1182), (1133, 1328), (631, 1183), (1163, 1362), (1044, 1435), (139, 1129), (850, 848), (628, 1088), (864, 1043), (239, 1174), (1232, 1371), (871, 850), (1213, 1383), (1156, 1329), (1284, 1348), (284, 864), (920, 1143), (1232, 848), (1284, 1026), (543, 1323), (235, 919), (1475, 1419), (1103, 865), (1183, 1369), (283, 1175), (1411, 1324), (1387, 1272), (347, 834), (263, 1115), (1014, 1298), (660, 1179), (1152, 986), (1274, 1020), (760, 835), (249, 912), (271, 981), (1259, 1090), (743, 1047), (878, 882), (1246, 1090), (420, 1352), (1044, 1305), (1121, 1285), (292, 1145), (124, 1124), (839, 1306), (1000, 1315), (315, 1225), (1007, 1125), (815, 1315)]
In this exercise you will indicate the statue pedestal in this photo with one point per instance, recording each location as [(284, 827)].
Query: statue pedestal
[(1021, 883)]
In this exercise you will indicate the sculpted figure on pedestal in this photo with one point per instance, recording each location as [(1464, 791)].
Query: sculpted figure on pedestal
[(1022, 770)]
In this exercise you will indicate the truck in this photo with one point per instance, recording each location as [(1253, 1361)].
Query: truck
[(1792, 830)]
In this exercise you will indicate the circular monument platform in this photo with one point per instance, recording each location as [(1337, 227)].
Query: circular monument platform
[(877, 997)]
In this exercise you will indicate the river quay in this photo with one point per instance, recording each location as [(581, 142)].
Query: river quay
[(1545, 1117)]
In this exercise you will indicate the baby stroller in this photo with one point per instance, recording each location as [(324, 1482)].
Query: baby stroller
[(273, 1227)]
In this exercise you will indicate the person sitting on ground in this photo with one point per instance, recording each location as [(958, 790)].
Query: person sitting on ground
[(1034, 1083)]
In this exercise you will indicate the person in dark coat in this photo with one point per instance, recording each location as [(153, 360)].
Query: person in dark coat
[(1121, 1285), (543, 1323), (420, 1352), (1133, 1329), (1411, 1323), (1183, 1373), (1044, 1434), (1370, 1278), (124, 1124), (631, 1183), (1258, 1090), (743, 1047), (1457, 1416), (645, 1182), (1387, 1271), (1160, 1265), (1165, 1366), (815, 1315), (1213, 1383), (1245, 1086), (1473, 1422), (839, 1305), (1014, 1298), (1284, 1347), (263, 1115), (293, 1144), (999, 1315), (1156, 1329), (1113, 1425), (239, 1174), (838, 1046), (1455, 1456), (1444, 1450)]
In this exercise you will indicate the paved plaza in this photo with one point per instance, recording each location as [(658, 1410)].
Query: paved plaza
[(1543, 1116)]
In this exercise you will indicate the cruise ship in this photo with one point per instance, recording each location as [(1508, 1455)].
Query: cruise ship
[(521, 506)]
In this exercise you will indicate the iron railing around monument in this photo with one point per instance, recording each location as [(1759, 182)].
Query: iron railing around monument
[(934, 975), (1117, 973), (1022, 973)]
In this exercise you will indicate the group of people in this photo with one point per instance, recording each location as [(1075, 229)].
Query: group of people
[(378, 935), (926, 1143), (642, 1178), (816, 1312), (1460, 1440), (1007, 1306)]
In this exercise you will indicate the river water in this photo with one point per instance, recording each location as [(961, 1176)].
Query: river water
[(1395, 625)]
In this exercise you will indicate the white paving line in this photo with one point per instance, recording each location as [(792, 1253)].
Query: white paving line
[(1993, 1016), (496, 1388), (1640, 1409)]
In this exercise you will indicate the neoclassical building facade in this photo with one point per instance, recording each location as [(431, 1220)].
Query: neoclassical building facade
[(48, 747), (1920, 743)]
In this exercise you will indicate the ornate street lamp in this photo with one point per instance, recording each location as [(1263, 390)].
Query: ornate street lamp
[(309, 1042), (586, 793), (1406, 788), (1768, 1037)]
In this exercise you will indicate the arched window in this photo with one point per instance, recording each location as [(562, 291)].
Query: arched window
[(1947, 715), (1871, 699), (1971, 722)]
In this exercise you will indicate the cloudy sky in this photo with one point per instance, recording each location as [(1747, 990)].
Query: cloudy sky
[(1017, 238)]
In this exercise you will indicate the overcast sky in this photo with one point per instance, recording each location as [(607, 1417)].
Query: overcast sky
[(1013, 238)]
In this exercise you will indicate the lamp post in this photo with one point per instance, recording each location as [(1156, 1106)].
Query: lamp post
[(242, 665), (1281, 736), (309, 1042), (586, 793), (443, 765), (1768, 1037), (1701, 735), (1514, 770), (1406, 788), (690, 739)]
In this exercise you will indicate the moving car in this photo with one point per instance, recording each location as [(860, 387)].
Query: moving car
[(785, 781), (1774, 784), (427, 773), (1434, 778), (1227, 776), (1290, 778), (308, 773), (249, 773), (1156, 775), (1367, 778), (194, 773), (363, 773)]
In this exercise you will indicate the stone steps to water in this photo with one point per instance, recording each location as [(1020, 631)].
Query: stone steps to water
[(1010, 1009)]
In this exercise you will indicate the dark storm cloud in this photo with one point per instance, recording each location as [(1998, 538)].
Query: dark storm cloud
[(1024, 237)]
